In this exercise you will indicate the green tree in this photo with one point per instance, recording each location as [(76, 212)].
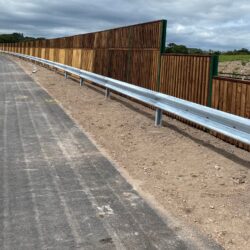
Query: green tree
[(175, 48), (195, 51), (16, 37)]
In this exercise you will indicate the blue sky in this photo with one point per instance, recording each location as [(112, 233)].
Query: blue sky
[(215, 24)]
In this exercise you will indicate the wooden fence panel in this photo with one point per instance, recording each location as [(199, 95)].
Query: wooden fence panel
[(62, 55), (56, 55), (186, 77), (68, 56), (77, 58), (101, 62), (231, 96), (147, 35), (43, 53), (118, 63), (87, 59), (51, 54), (119, 38), (143, 68), (88, 41)]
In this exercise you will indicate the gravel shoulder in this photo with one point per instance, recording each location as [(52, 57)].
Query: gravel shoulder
[(185, 172)]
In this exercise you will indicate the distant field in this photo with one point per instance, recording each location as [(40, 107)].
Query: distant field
[(228, 58)]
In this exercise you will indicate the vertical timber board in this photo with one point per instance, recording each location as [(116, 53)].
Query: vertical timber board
[(101, 62), (62, 55), (232, 96), (87, 58), (68, 56), (43, 53), (141, 63), (56, 54), (51, 54), (118, 64), (77, 58)]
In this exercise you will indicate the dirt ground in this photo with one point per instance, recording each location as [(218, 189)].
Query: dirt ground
[(237, 67), (192, 175)]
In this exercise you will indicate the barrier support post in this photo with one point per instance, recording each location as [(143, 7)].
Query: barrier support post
[(107, 94), (158, 117)]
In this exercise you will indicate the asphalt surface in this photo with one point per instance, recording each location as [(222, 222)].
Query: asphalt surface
[(57, 191)]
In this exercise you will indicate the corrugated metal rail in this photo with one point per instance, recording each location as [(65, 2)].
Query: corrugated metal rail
[(227, 124)]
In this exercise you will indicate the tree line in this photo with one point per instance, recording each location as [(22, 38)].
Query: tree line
[(16, 37), (182, 49)]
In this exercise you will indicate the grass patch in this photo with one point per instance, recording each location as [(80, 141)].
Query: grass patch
[(229, 58)]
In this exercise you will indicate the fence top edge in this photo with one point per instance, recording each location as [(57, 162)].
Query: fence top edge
[(191, 55), (233, 80)]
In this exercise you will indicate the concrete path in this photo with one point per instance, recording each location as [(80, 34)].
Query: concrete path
[(57, 191)]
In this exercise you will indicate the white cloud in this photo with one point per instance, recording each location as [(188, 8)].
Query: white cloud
[(215, 24)]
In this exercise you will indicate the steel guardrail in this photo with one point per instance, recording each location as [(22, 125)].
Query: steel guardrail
[(233, 126)]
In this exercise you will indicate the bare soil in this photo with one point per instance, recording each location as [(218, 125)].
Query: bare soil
[(237, 67), (191, 174)]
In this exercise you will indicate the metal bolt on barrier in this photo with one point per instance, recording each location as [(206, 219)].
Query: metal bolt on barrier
[(66, 75)]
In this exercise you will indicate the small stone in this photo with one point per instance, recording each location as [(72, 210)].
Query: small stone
[(218, 176), (211, 207), (217, 167), (222, 233), (147, 170), (239, 180)]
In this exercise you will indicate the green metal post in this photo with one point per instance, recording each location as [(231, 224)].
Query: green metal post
[(162, 50), (213, 71)]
